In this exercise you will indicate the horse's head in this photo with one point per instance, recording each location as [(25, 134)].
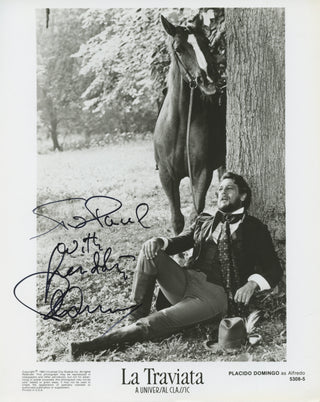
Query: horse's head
[(191, 50)]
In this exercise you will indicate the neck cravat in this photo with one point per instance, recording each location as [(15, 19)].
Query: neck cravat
[(228, 266)]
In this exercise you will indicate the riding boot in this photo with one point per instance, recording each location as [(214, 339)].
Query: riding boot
[(129, 334), (142, 293)]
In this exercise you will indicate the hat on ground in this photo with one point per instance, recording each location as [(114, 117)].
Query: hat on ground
[(234, 332)]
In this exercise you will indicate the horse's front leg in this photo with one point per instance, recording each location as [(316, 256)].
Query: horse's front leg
[(201, 182), (171, 188), (221, 171)]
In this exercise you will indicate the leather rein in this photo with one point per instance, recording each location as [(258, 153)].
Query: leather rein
[(193, 85)]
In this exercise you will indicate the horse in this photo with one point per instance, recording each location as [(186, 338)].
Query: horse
[(192, 108)]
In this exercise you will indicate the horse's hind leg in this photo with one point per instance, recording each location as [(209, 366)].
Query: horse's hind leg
[(171, 188)]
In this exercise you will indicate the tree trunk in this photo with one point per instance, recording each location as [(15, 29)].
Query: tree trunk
[(256, 110), (54, 134)]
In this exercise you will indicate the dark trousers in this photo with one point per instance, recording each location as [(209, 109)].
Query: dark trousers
[(193, 299)]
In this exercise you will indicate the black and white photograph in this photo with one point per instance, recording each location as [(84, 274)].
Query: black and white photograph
[(159, 205), (144, 154)]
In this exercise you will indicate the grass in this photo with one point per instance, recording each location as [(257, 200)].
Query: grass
[(127, 173)]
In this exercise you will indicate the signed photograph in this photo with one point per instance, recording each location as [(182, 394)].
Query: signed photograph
[(159, 238), (160, 188)]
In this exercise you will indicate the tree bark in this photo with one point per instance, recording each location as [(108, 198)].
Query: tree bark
[(256, 110)]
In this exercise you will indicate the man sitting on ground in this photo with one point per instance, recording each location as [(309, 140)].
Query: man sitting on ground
[(233, 257)]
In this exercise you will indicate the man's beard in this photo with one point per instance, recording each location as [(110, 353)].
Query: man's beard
[(231, 207)]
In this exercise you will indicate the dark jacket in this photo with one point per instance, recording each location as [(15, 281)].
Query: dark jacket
[(251, 244)]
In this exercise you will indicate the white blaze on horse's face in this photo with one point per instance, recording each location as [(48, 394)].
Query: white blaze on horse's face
[(192, 40)]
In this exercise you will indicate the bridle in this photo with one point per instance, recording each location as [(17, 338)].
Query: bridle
[(193, 85), (191, 80)]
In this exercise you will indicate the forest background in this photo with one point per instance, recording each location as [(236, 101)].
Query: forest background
[(107, 81)]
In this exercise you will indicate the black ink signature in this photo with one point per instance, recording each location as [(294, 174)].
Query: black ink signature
[(101, 262), (57, 300), (104, 219)]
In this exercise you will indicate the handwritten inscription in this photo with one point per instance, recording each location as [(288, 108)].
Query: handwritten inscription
[(100, 209), (80, 258), (59, 290)]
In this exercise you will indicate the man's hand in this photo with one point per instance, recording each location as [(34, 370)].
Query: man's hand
[(243, 295), (151, 247)]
